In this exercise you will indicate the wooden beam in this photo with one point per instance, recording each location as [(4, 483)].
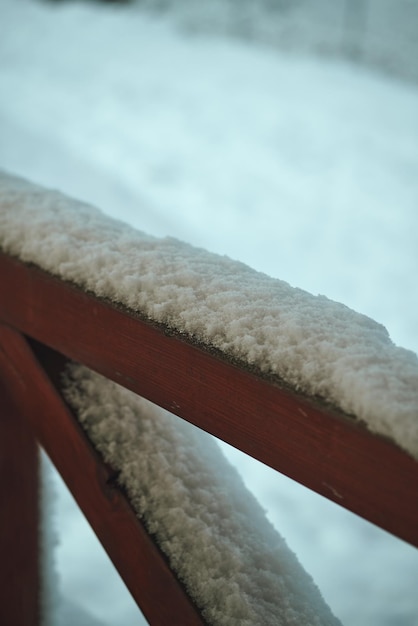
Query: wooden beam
[(138, 560), (303, 438), (19, 540)]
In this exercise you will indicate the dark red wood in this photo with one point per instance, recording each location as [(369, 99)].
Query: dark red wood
[(19, 571), (140, 563), (300, 437)]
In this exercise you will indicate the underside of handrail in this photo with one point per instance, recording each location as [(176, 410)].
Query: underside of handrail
[(302, 437)]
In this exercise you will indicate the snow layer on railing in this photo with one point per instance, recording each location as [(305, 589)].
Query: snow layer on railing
[(314, 344), (235, 566)]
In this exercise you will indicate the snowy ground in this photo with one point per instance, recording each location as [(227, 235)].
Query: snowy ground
[(306, 170)]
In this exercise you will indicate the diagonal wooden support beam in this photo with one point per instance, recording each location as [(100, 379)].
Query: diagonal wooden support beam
[(19, 537), (140, 563)]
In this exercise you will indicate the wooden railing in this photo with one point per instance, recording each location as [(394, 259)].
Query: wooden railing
[(44, 322)]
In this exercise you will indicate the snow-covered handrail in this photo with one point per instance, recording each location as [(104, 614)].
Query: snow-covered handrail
[(314, 345), (298, 382)]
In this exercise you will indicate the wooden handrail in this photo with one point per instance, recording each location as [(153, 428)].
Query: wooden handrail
[(45, 321), (303, 438)]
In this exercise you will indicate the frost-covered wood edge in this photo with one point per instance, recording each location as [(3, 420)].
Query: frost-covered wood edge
[(140, 563), (300, 437)]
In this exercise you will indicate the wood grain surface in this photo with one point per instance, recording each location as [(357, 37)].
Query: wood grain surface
[(301, 437)]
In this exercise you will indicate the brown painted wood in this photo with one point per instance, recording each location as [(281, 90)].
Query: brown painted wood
[(302, 438), (140, 563), (19, 543)]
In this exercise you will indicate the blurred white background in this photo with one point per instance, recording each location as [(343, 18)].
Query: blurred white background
[(282, 133)]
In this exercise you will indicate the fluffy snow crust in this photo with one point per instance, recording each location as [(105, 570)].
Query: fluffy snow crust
[(234, 564), (316, 345)]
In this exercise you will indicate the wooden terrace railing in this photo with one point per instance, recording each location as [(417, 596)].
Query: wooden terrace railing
[(43, 323)]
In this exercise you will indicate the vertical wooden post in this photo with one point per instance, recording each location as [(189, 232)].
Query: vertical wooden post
[(19, 554)]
